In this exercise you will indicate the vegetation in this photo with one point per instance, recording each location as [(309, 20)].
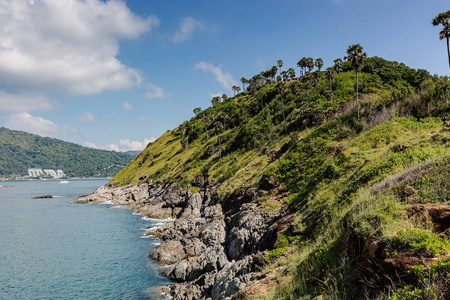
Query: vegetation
[(21, 150), (444, 20), (352, 170)]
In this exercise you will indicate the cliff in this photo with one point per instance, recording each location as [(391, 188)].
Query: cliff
[(292, 189)]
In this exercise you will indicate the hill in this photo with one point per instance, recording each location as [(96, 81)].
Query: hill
[(20, 151), (352, 195)]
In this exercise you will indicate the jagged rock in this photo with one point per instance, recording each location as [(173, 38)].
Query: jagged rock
[(157, 211), (207, 233), (213, 259), (192, 207), (168, 253), (214, 233)]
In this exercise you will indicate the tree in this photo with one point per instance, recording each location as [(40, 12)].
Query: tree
[(224, 97), (235, 89), (291, 73), (319, 63), (338, 65), (280, 64), (444, 20), (356, 56), (197, 111), (329, 72), (244, 81), (310, 64), (215, 100), (302, 65), (273, 72)]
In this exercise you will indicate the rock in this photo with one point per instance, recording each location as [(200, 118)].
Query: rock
[(212, 259), (168, 253), (43, 197), (208, 232), (192, 207)]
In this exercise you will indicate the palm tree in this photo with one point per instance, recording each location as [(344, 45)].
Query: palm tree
[(444, 20), (319, 63), (235, 89), (291, 73), (338, 65), (244, 81), (280, 64), (330, 74), (302, 65), (197, 111), (356, 56), (310, 64), (215, 100)]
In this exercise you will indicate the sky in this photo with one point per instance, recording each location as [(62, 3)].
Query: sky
[(117, 74)]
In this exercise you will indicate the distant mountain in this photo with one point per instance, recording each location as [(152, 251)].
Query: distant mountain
[(132, 152), (20, 150)]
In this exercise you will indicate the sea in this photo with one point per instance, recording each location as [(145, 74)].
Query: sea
[(56, 249)]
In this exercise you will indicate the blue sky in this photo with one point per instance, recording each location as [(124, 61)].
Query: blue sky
[(118, 74)]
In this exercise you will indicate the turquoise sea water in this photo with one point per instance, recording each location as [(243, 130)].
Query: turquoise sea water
[(55, 249)]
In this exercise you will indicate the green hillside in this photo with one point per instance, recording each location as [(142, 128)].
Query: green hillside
[(354, 172), (20, 151)]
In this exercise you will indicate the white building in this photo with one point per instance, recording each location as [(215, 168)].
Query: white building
[(33, 173)]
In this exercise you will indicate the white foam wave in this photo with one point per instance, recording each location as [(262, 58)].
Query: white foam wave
[(145, 218), (120, 206), (107, 202), (57, 196)]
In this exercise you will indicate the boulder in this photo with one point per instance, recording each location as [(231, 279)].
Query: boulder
[(169, 252)]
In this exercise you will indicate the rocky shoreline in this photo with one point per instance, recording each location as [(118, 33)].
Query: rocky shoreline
[(215, 246)]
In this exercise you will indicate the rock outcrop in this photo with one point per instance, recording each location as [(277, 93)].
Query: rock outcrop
[(214, 246)]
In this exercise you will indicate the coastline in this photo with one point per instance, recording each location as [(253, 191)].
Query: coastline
[(211, 247)]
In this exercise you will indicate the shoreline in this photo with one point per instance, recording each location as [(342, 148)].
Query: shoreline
[(211, 246)]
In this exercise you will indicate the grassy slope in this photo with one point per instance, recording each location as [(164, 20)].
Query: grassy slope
[(343, 173)]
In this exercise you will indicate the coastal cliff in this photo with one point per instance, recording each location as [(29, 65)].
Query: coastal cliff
[(292, 189), (214, 246)]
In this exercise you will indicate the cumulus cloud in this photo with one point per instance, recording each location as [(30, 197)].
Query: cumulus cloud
[(38, 125), (155, 91), (187, 27), (123, 145), (127, 106), (69, 46), (87, 117), (225, 79), (24, 101)]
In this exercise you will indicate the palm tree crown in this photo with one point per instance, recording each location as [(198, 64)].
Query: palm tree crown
[(356, 56), (444, 20)]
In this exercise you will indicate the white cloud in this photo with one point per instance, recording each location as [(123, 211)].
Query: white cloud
[(187, 27), (142, 120), (69, 46), (155, 91), (87, 117), (127, 106), (38, 125), (123, 145), (23, 101), (225, 79)]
